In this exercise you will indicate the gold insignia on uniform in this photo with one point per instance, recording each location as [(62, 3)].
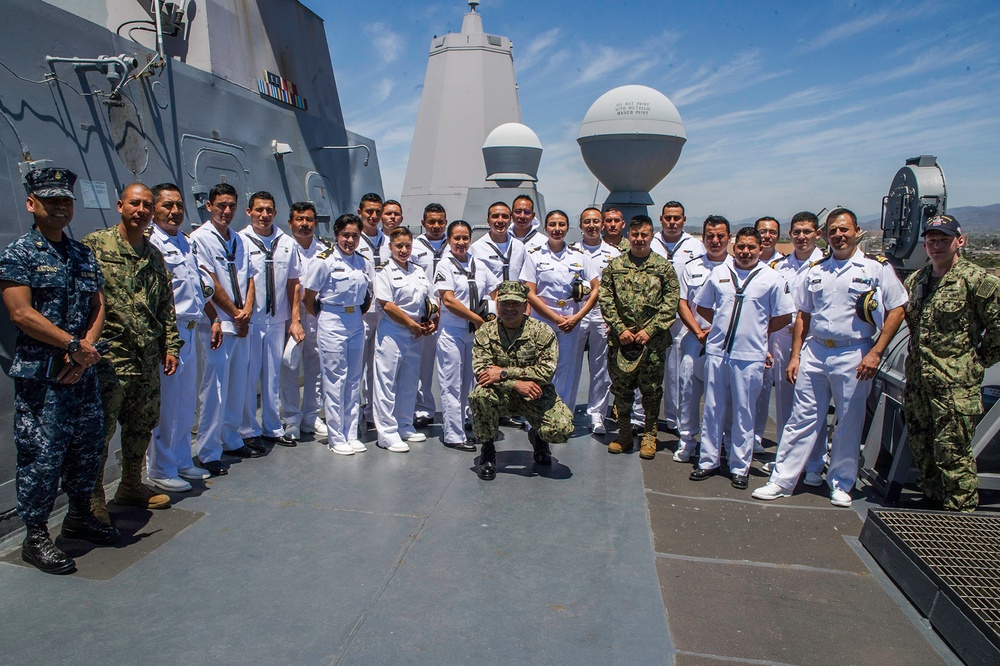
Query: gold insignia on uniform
[(57, 175)]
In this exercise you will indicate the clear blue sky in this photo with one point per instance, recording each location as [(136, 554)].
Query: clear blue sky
[(787, 106)]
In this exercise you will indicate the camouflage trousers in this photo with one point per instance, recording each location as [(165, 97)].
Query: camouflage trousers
[(940, 424), (57, 432), (548, 415), (133, 401), (647, 377)]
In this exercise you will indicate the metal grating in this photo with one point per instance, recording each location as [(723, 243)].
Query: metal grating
[(962, 549)]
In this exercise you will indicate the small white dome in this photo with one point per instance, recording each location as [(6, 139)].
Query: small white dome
[(512, 135), (632, 110)]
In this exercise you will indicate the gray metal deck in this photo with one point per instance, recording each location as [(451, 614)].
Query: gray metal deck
[(306, 557)]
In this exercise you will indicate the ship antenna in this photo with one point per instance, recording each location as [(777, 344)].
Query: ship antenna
[(473, 4)]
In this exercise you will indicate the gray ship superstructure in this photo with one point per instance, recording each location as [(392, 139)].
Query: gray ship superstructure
[(196, 93)]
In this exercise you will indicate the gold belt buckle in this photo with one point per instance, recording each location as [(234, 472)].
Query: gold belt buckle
[(349, 309), (832, 344), (561, 303), (191, 324)]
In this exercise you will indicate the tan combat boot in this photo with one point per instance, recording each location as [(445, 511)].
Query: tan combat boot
[(647, 450), (98, 502), (132, 492), (623, 442)]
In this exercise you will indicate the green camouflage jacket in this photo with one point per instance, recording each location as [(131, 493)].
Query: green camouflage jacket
[(954, 330), (139, 323), (640, 297), (530, 354)]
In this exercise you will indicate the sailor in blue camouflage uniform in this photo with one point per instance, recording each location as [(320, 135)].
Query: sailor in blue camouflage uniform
[(52, 289)]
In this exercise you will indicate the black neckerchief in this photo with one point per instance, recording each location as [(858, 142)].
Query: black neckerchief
[(505, 258), (269, 307), (470, 275), (737, 307), (234, 280)]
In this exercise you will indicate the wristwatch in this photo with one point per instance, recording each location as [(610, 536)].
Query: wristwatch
[(73, 346), (503, 374), (216, 321)]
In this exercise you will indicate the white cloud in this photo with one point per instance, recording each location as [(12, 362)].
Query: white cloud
[(388, 43)]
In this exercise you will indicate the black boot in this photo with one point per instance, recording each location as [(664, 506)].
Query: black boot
[(80, 523), (39, 551), (543, 456), (487, 461)]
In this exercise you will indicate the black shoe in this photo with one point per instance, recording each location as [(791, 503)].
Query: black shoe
[(739, 481), (215, 467), (39, 551), (243, 452), (461, 446), (702, 474), (542, 455), (254, 444), (80, 523), (422, 421), (280, 441), (487, 471)]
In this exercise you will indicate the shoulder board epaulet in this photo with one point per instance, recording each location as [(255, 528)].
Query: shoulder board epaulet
[(380, 267), (326, 242), (186, 235), (774, 262), (820, 261), (323, 254), (694, 259), (535, 249), (880, 258), (575, 246)]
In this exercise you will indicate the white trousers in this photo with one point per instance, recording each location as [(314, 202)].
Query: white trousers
[(371, 319), (340, 338), (266, 342), (781, 349), (425, 405), (397, 359), (691, 372), (671, 375), (296, 410), (567, 377), (735, 384), (454, 371), (222, 392), (594, 332), (824, 374), (170, 448), (763, 403)]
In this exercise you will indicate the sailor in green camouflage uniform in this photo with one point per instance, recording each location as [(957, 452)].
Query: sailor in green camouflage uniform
[(142, 331), (954, 319), (514, 359), (638, 299)]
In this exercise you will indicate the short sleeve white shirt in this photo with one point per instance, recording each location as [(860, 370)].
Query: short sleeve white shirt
[(692, 276), (339, 279), (497, 256), (408, 288), (553, 273), (686, 248), (286, 265), (216, 255), (450, 277), (187, 277)]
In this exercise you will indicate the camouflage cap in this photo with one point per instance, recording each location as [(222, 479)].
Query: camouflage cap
[(946, 224), (629, 357), (512, 291), (50, 182)]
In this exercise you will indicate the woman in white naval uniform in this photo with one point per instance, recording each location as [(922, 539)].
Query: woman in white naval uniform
[(549, 273), (593, 329), (336, 285), (404, 293), (456, 278)]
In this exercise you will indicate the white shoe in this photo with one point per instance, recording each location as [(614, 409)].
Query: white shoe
[(357, 446), (414, 438), (758, 447), (398, 447), (768, 467), (317, 428), (840, 498), (769, 491), (171, 485), (597, 427), (292, 432), (342, 449), (194, 473), (813, 479), (683, 454)]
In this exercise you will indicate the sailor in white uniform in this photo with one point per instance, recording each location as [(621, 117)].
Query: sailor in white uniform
[(276, 262), (691, 369), (373, 248), (524, 224), (428, 248), (834, 356), (409, 313), (168, 458), (337, 285), (562, 288), (502, 255), (300, 413), (744, 302), (593, 329), (223, 255), (792, 269), (679, 247), (465, 289), (770, 231)]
